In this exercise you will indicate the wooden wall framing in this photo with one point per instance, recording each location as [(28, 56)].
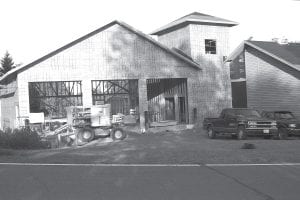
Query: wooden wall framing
[(53, 97), (121, 94)]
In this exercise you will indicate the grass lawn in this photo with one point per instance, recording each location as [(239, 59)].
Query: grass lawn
[(168, 147)]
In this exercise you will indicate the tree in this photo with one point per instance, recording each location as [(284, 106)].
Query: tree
[(7, 63)]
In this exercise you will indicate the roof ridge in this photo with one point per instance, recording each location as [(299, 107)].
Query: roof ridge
[(194, 17), (274, 55), (283, 48), (253, 44), (193, 13)]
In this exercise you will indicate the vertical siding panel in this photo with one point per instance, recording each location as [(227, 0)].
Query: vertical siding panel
[(268, 86)]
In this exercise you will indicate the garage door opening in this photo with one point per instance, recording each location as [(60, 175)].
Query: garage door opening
[(121, 94), (167, 100), (52, 98)]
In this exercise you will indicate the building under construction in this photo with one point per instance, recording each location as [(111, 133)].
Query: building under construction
[(179, 77)]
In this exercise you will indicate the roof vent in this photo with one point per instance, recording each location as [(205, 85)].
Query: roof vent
[(275, 39), (282, 40)]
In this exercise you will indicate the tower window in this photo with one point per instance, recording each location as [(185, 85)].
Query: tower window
[(210, 46)]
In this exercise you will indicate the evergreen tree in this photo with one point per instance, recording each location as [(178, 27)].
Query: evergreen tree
[(7, 63)]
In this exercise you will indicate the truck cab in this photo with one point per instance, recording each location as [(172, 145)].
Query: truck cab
[(240, 122), (286, 121)]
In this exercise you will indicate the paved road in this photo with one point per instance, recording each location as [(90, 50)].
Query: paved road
[(149, 182)]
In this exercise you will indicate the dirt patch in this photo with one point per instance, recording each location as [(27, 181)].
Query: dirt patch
[(6, 152)]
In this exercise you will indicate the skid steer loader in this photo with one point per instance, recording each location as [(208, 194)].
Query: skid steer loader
[(96, 120)]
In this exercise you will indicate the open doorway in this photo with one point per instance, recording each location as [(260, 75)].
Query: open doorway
[(170, 108), (167, 100), (182, 109)]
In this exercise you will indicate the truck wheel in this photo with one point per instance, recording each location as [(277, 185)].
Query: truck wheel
[(282, 134), (85, 134), (241, 133), (234, 136), (118, 134), (211, 133), (267, 136)]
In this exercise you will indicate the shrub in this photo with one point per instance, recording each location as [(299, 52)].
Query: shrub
[(21, 139)]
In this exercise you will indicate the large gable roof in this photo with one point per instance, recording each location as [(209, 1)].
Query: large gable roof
[(124, 25), (194, 18), (288, 54)]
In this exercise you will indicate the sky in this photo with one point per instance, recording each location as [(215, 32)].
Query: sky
[(33, 28)]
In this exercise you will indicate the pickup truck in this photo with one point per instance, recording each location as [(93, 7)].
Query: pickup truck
[(287, 123), (239, 123)]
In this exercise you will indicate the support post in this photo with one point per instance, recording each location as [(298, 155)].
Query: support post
[(87, 93), (143, 103), (176, 108)]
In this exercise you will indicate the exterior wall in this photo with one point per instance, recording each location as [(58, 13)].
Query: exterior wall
[(213, 93), (238, 81), (179, 39), (212, 87), (237, 67), (9, 102), (215, 79), (270, 84), (114, 53), (198, 33)]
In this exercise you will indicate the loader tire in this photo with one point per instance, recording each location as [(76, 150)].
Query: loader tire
[(118, 134), (85, 135), (282, 134)]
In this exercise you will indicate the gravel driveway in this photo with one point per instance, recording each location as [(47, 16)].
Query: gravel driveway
[(168, 147)]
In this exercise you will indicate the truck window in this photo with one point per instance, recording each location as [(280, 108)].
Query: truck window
[(286, 115), (230, 115), (247, 112)]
